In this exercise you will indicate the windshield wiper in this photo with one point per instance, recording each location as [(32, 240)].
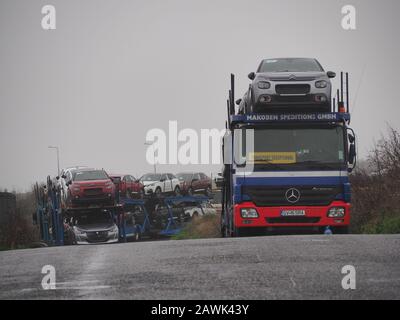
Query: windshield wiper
[(268, 165), (319, 164)]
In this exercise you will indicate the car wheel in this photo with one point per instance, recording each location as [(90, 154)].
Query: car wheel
[(137, 234), (177, 191), (141, 194), (195, 215), (250, 101), (190, 191)]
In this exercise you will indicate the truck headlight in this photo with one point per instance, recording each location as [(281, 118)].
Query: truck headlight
[(321, 84), (263, 85), (248, 213), (336, 212)]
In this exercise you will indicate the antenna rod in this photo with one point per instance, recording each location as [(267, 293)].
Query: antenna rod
[(231, 104), (341, 86), (338, 99), (233, 91), (347, 92)]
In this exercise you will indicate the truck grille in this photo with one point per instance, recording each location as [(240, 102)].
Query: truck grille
[(264, 196), (293, 220), (292, 88)]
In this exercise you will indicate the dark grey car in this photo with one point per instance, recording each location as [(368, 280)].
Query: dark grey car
[(284, 83)]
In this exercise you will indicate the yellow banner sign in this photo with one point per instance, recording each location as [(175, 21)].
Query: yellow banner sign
[(272, 157)]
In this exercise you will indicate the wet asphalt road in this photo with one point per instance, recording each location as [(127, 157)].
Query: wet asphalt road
[(275, 267)]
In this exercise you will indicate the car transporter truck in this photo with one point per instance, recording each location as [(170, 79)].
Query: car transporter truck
[(287, 171)]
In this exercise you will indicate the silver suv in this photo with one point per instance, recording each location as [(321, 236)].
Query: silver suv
[(285, 84)]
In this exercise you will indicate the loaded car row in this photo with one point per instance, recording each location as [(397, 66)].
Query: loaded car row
[(81, 186)]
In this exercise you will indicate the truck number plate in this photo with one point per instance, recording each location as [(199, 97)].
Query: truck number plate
[(293, 213)]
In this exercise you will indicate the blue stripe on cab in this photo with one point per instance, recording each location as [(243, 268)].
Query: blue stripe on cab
[(291, 181)]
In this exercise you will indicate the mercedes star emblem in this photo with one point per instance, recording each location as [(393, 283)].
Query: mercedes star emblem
[(292, 195)]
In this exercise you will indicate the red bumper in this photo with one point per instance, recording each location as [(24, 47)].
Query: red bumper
[(272, 217)]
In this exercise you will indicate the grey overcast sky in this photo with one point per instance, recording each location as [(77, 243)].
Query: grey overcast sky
[(112, 70)]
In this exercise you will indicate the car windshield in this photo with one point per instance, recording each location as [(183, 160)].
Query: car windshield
[(290, 65), (278, 148), (184, 176), (89, 175), (94, 218), (151, 177)]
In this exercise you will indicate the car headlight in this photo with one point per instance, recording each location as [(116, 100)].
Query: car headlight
[(113, 230), (79, 232), (321, 84), (248, 213), (336, 212), (264, 85)]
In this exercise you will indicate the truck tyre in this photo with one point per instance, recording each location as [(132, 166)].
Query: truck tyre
[(243, 232), (341, 230)]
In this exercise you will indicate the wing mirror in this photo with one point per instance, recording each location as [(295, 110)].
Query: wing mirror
[(352, 153), (331, 74), (116, 180), (251, 75)]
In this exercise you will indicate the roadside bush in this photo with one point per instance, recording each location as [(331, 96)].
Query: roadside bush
[(207, 226), (376, 188), (18, 231)]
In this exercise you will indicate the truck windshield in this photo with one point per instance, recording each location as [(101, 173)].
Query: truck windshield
[(296, 147), (290, 65)]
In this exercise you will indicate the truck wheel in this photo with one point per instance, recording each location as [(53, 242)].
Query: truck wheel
[(341, 230), (240, 232), (223, 232)]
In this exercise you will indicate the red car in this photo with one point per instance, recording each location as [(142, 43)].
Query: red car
[(128, 185), (194, 182), (90, 187)]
